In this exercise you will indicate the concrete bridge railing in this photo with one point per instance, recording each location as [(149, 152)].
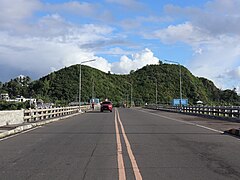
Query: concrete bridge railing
[(11, 117), (210, 111), (41, 114), (219, 111), (32, 115)]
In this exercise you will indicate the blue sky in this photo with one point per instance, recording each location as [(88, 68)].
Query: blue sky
[(40, 36)]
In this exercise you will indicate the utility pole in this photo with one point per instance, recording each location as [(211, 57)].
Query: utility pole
[(93, 93), (156, 90), (131, 93), (80, 81), (180, 79)]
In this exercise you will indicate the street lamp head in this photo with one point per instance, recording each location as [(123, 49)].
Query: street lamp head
[(88, 61), (171, 61)]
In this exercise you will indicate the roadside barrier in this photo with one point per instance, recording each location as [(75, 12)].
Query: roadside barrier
[(212, 111), (219, 111), (36, 117), (32, 115)]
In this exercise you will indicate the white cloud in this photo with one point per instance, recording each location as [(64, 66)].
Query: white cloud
[(128, 3), (216, 59), (185, 32), (85, 9), (213, 34), (101, 64), (138, 60), (198, 51), (55, 27), (51, 44), (233, 77), (93, 10), (234, 73), (15, 12), (118, 51), (130, 23), (154, 19), (216, 17), (74, 7), (42, 56)]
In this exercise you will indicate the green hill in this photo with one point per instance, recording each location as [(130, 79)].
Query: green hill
[(62, 86)]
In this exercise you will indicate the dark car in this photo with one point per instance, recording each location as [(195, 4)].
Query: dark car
[(106, 105)]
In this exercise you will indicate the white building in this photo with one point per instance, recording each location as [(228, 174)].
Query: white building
[(23, 99), (4, 96)]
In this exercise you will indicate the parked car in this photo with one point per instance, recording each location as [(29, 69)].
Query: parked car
[(106, 105)]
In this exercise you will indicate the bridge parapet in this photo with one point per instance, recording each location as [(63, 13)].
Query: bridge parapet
[(11, 117), (31, 115), (218, 111), (210, 111)]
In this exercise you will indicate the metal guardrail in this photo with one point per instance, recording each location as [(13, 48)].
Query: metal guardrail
[(32, 115), (214, 111)]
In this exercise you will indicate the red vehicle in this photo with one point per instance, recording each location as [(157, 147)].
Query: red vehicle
[(106, 105)]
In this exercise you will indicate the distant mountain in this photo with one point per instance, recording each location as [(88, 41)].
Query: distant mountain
[(62, 86)]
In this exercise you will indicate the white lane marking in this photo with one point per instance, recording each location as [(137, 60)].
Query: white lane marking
[(136, 171), (121, 168), (185, 122), (14, 135), (211, 129)]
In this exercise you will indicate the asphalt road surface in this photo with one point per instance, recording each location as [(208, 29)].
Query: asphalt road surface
[(124, 144)]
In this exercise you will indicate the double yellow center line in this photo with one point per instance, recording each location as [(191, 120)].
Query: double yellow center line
[(121, 167)]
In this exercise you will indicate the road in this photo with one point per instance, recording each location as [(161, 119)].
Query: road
[(124, 144)]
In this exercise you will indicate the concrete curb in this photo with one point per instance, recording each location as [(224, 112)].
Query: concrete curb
[(235, 132), (22, 128)]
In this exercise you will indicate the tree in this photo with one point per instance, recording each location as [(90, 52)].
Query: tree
[(1, 85), (62, 86), (160, 62)]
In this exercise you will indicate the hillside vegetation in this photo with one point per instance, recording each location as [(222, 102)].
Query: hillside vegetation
[(62, 86)]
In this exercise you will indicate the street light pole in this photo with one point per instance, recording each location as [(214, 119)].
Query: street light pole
[(80, 81), (156, 90), (93, 94), (131, 93), (180, 79), (180, 83)]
